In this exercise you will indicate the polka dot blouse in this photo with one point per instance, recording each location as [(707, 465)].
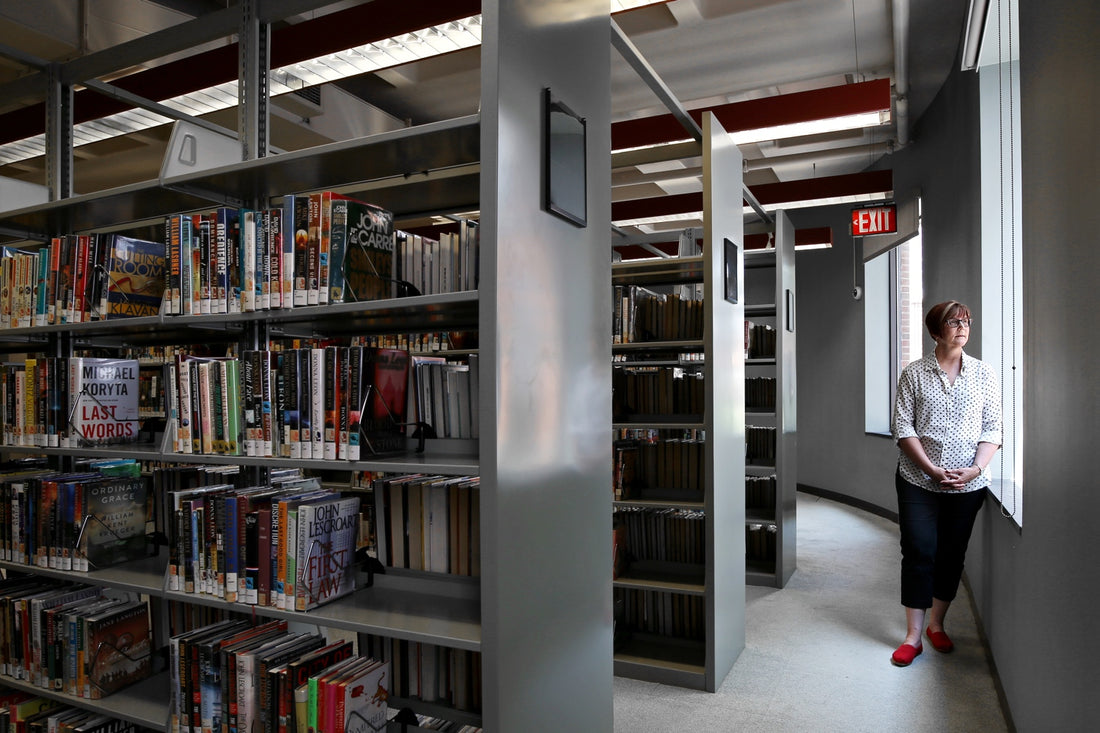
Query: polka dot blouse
[(949, 419)]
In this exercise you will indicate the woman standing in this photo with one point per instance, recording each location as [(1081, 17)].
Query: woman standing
[(947, 424)]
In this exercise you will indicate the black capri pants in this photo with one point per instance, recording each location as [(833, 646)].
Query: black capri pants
[(935, 530)]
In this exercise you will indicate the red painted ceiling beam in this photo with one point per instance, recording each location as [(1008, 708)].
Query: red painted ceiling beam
[(355, 26), (816, 104), (852, 184)]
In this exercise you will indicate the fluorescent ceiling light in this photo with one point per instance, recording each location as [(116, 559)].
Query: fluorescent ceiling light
[(369, 57), (793, 129), (812, 127), (748, 210), (432, 41)]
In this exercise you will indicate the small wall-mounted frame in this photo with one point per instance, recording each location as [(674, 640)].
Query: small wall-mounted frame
[(565, 170), (731, 270)]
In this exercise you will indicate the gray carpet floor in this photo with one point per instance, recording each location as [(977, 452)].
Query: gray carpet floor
[(817, 652)]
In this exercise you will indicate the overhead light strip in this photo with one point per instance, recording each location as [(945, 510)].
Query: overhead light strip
[(747, 210), (421, 44), (408, 47)]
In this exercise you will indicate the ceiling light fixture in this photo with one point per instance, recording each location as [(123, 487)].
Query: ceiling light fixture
[(797, 114), (405, 48), (414, 46), (974, 33)]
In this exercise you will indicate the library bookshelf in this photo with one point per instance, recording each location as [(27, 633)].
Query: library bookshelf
[(772, 416), (697, 594), (540, 613)]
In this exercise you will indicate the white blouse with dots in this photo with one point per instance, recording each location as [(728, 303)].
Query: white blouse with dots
[(949, 419)]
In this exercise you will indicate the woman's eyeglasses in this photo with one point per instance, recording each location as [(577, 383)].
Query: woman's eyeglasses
[(959, 322)]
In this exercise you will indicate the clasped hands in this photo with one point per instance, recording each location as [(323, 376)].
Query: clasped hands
[(956, 478)]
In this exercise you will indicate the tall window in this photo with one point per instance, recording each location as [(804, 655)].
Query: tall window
[(893, 314), (1002, 277)]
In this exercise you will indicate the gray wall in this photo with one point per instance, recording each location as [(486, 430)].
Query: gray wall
[(1036, 589)]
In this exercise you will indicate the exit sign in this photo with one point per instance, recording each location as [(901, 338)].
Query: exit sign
[(875, 220)]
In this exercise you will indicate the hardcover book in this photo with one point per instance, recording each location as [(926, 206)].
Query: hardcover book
[(325, 551), (116, 515), (381, 422), (103, 407), (368, 254), (362, 697), (118, 649)]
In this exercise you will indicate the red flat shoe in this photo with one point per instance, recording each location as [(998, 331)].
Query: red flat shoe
[(904, 655), (941, 642)]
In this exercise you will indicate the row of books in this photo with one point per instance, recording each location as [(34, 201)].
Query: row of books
[(641, 392), (59, 402), (760, 340), (80, 278), (291, 545), (446, 396), (430, 673), (236, 676), (663, 535), (25, 712), (312, 249), (661, 613), (760, 492), (760, 445), (430, 523), (652, 469), (72, 638), (642, 315), (326, 403), (760, 393), (77, 521), (760, 542), (331, 402)]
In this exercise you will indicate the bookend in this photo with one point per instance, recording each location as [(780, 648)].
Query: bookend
[(372, 445), (404, 288), (152, 541), (363, 723), (121, 646), (370, 565), (107, 281), (406, 717)]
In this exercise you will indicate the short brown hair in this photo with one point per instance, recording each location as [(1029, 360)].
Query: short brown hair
[(939, 314)]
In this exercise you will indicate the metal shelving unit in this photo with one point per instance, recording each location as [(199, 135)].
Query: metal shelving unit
[(770, 299), (719, 581), (531, 611)]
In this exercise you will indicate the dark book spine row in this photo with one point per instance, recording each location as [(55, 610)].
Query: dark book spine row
[(642, 315), (760, 393), (659, 469), (643, 393), (759, 340), (760, 445), (760, 543), (760, 493), (659, 613), (663, 535)]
